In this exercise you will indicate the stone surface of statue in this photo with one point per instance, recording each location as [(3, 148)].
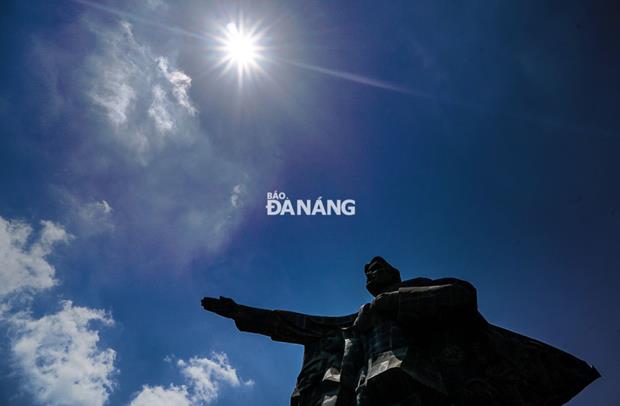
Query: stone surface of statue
[(418, 342)]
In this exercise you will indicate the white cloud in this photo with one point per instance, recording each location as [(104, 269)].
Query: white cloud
[(23, 263), (59, 357), (97, 216), (235, 197), (203, 380), (160, 396), (206, 375)]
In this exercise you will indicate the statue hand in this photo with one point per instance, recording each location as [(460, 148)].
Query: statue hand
[(223, 306)]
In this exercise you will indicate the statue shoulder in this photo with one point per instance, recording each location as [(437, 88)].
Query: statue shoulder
[(432, 282)]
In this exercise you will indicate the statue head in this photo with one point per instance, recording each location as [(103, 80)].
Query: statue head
[(380, 276)]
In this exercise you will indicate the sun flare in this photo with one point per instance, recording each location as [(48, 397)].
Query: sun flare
[(241, 49)]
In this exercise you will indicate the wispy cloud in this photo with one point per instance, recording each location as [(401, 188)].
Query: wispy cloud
[(160, 144), (236, 196), (85, 217), (129, 83), (159, 112), (180, 83), (112, 88), (96, 214)]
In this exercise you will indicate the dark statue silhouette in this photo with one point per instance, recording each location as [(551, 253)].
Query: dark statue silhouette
[(418, 342)]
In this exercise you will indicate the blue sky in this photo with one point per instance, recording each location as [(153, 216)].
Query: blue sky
[(134, 174)]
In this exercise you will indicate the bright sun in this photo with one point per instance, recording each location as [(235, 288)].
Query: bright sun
[(241, 49)]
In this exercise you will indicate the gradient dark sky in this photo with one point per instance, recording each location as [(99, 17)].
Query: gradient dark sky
[(501, 168)]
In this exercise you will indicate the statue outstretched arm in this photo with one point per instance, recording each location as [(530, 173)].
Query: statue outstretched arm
[(280, 325), (248, 319)]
